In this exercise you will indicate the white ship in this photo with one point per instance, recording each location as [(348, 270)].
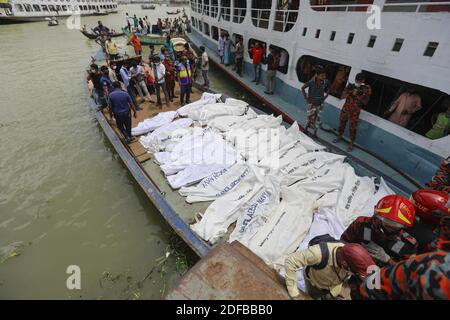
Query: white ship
[(38, 10), (412, 47)]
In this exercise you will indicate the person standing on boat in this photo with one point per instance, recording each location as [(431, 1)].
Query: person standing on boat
[(159, 73), (99, 95), (273, 61), (100, 28), (112, 67), (111, 49), (221, 46), (137, 74), (404, 107), (318, 88), (105, 81), (185, 80), (239, 56), (357, 96), (327, 265), (120, 106), (169, 46), (384, 234), (257, 54), (136, 43), (127, 22), (126, 79), (204, 66), (135, 22), (227, 50), (170, 77)]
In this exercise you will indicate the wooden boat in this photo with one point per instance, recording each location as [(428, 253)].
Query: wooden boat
[(148, 7), (173, 12), (147, 38), (93, 36), (172, 206)]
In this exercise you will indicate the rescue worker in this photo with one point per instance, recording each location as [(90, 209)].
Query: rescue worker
[(185, 81), (384, 235), (327, 266), (422, 277), (441, 180), (430, 207), (442, 242), (357, 96)]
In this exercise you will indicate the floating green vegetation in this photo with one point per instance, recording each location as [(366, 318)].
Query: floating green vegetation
[(176, 256)]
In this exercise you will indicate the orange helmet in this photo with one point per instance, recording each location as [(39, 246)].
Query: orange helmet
[(397, 209), (431, 205)]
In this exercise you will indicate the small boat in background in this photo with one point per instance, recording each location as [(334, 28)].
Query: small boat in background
[(52, 21), (93, 36), (98, 13), (154, 39), (173, 12), (148, 7)]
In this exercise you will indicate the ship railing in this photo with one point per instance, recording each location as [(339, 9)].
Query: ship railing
[(261, 18), (214, 11), (285, 20), (239, 14), (388, 7)]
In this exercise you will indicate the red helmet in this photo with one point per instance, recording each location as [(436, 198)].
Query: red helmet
[(397, 209), (431, 205)]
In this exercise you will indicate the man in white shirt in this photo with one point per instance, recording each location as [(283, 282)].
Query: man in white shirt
[(205, 66), (137, 74), (159, 73)]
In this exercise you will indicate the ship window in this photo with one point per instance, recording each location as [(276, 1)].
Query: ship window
[(317, 33), (372, 41), (215, 33), (397, 45), (206, 7), (351, 37), (207, 31), (36, 8), (18, 7), (284, 58), (431, 49), (340, 5), (214, 8), (305, 30), (200, 26), (225, 10), (333, 35), (251, 44), (286, 15), (58, 8), (193, 22), (416, 6), (337, 74), (261, 13), (386, 91), (193, 5), (28, 8), (239, 10), (44, 8), (64, 8)]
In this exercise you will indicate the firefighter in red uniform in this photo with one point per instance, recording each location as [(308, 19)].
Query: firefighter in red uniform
[(431, 208), (422, 277), (441, 180), (384, 235)]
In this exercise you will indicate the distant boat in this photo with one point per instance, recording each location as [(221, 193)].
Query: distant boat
[(98, 13), (173, 12), (93, 36), (148, 7), (52, 22)]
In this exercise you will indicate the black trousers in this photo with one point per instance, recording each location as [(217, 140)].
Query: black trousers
[(185, 96), (158, 87), (239, 62), (123, 121)]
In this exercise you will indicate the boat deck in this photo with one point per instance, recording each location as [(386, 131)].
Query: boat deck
[(363, 162)]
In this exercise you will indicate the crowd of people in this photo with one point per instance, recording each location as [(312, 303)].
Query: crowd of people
[(176, 26), (401, 252)]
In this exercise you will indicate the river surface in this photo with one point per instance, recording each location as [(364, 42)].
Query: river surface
[(66, 199)]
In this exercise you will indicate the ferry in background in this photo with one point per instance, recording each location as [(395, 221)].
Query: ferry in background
[(37, 10), (411, 48)]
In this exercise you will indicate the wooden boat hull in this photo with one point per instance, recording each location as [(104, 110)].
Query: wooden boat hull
[(148, 39), (94, 36)]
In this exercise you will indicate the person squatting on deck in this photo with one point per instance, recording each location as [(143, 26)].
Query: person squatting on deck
[(326, 266), (120, 106), (318, 88), (357, 96), (185, 81)]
